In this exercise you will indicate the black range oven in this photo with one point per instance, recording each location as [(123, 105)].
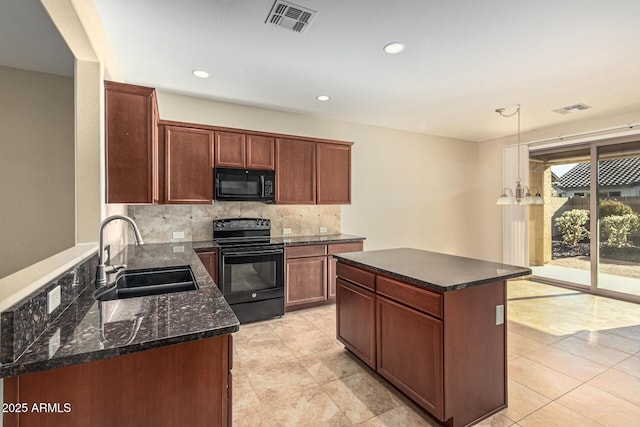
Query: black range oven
[(251, 267)]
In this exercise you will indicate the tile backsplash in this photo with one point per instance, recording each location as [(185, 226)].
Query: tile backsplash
[(158, 223)]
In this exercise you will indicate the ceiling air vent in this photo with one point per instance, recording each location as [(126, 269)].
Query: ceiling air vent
[(290, 16), (571, 109)]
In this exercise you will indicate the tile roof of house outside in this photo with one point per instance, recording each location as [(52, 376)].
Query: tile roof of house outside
[(612, 173)]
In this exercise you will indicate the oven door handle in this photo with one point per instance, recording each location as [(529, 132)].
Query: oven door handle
[(238, 254)]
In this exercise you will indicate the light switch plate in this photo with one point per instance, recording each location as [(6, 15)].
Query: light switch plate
[(178, 234), (323, 229), (286, 231), (177, 249), (499, 314), (53, 299)]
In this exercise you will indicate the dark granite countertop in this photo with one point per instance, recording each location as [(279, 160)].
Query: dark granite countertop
[(210, 245), (433, 270), (89, 330), (320, 238)]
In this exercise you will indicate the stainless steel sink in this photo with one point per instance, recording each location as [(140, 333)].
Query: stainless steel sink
[(148, 281)]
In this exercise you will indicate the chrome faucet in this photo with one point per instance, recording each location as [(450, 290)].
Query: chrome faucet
[(102, 269)]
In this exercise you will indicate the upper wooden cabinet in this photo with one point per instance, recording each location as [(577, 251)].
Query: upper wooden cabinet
[(334, 173), (295, 171), (131, 117), (261, 152), (239, 150), (188, 165)]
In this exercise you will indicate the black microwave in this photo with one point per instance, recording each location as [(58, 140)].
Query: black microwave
[(244, 185)]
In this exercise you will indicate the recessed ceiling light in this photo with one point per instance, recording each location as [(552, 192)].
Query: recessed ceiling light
[(393, 48), (323, 97), (200, 73)]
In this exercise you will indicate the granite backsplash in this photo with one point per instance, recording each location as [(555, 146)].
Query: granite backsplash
[(22, 323), (157, 223)]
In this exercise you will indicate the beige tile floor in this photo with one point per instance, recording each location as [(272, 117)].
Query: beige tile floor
[(574, 360)]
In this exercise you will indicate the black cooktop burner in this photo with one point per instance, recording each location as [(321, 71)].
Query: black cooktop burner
[(238, 232)]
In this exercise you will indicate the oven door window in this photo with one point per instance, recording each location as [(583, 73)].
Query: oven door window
[(250, 273)]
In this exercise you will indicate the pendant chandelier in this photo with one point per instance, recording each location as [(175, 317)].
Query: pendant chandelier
[(521, 194)]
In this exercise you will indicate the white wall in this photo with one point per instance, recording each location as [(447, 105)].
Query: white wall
[(409, 189), (37, 209)]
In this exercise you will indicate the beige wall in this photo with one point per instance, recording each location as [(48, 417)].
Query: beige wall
[(37, 210), (489, 216), (408, 189)]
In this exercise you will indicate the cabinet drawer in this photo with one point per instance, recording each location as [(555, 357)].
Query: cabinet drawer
[(340, 248), (356, 275), (304, 251), (413, 296)]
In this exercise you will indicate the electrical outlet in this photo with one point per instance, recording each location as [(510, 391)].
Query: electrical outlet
[(499, 314), (54, 343), (178, 234), (286, 231), (323, 229), (53, 299), (178, 249)]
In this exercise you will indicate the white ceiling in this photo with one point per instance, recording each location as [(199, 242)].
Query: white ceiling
[(462, 60), (30, 41)]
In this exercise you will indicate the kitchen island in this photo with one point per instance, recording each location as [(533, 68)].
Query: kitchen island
[(154, 360), (433, 325)]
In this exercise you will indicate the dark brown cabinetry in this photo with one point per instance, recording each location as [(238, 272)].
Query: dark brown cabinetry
[(295, 171), (245, 151), (311, 273), (184, 384), (143, 166), (306, 275), (444, 350), (131, 116), (210, 261), (261, 152), (334, 173), (188, 165), (400, 347), (338, 248), (306, 280), (355, 312)]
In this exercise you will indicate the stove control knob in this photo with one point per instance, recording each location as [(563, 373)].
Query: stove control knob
[(253, 295)]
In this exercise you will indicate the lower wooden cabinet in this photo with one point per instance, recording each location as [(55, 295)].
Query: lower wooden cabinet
[(356, 320), (306, 280), (311, 273), (409, 352), (185, 384)]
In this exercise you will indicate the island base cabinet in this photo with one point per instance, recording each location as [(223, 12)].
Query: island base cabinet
[(183, 384), (409, 355), (444, 350), (356, 317)]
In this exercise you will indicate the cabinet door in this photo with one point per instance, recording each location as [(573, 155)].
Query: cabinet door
[(131, 143), (356, 321), (334, 173), (306, 280), (338, 248), (410, 353), (260, 152), (188, 165), (230, 149), (295, 172), (210, 262)]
